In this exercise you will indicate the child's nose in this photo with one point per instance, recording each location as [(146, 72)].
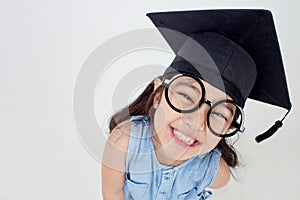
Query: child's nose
[(197, 120)]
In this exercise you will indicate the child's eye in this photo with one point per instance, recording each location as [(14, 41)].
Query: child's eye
[(187, 97), (219, 115)]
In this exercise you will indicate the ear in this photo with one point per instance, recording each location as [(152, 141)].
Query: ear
[(157, 83), (157, 97)]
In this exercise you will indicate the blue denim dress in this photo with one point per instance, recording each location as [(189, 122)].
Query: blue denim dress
[(147, 179)]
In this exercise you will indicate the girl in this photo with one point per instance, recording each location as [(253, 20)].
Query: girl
[(170, 143)]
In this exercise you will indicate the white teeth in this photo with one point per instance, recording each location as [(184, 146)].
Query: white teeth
[(184, 138)]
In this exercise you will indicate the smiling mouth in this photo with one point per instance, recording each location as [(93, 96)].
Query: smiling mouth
[(189, 141)]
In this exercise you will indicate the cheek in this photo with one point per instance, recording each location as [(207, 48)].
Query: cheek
[(211, 142), (160, 118)]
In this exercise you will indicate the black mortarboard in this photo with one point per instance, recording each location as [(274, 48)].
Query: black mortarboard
[(239, 46)]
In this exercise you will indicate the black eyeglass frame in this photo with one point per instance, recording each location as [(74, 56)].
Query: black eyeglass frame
[(239, 127)]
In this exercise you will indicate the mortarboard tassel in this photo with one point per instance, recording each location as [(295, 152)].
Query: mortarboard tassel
[(271, 130)]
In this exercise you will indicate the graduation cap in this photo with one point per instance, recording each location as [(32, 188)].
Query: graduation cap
[(237, 46)]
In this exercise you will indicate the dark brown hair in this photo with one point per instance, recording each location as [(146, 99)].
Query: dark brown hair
[(142, 106)]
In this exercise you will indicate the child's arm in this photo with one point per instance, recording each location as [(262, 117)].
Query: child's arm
[(223, 175), (112, 184), (113, 165)]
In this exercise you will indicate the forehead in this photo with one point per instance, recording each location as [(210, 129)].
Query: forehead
[(213, 93)]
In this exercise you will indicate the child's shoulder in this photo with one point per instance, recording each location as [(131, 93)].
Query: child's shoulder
[(120, 135), (116, 146)]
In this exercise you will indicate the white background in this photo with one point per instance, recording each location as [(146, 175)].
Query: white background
[(43, 45)]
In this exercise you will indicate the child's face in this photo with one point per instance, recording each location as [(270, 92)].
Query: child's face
[(180, 136)]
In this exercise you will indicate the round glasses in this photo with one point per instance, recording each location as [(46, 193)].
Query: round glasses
[(185, 93)]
